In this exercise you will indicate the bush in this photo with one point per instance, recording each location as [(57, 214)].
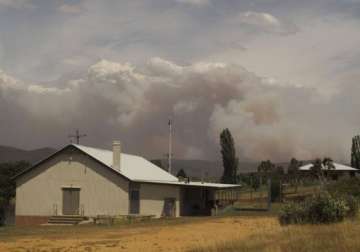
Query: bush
[(322, 208), (292, 213), (353, 204), (345, 187), (349, 190)]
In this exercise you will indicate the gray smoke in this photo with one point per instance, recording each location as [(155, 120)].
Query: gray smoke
[(269, 120)]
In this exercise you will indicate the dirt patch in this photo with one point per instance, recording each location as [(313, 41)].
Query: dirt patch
[(152, 238)]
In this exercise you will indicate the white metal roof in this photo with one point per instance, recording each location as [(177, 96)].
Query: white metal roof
[(139, 169), (338, 167), (194, 183), (131, 166)]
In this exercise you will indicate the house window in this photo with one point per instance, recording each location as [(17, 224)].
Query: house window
[(134, 198)]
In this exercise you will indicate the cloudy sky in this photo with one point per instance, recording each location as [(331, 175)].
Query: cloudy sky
[(283, 76)]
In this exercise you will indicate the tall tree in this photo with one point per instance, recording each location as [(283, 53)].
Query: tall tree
[(254, 181), (317, 170), (294, 172), (7, 184), (355, 152), (293, 167), (264, 169), (230, 161), (328, 163)]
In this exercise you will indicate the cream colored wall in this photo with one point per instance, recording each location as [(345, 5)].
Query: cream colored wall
[(152, 198), (102, 191)]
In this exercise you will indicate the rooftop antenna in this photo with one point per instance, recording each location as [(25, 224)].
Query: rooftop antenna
[(170, 145), (77, 136)]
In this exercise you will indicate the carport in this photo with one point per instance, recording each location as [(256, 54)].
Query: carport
[(199, 199)]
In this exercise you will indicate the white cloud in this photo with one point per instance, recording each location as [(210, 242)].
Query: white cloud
[(38, 89), (193, 152), (265, 22), (194, 2), (71, 8), (8, 82), (284, 51), (164, 68), (17, 4), (104, 68), (259, 19), (185, 107), (267, 121)]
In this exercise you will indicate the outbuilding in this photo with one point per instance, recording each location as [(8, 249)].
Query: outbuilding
[(337, 170)]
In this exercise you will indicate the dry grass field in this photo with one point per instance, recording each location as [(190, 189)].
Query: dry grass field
[(335, 237), (232, 233)]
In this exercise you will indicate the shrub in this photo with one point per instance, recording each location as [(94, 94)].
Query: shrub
[(349, 190), (345, 187), (353, 204), (321, 208), (292, 213)]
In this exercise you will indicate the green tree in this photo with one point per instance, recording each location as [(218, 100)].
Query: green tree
[(279, 171), (230, 161), (264, 169), (355, 152), (321, 166), (317, 168), (181, 174), (254, 182), (293, 167), (294, 172), (328, 163), (7, 184)]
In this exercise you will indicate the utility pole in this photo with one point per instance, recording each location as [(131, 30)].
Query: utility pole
[(170, 144), (77, 136)]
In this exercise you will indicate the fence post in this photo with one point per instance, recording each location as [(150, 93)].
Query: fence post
[(281, 190), (269, 194)]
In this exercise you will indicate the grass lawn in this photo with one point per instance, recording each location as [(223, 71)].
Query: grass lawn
[(238, 231), (334, 237), (179, 234), (11, 233)]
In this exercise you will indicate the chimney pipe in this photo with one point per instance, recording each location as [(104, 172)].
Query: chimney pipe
[(116, 155)]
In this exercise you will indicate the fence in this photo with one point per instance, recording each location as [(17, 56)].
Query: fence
[(244, 198)]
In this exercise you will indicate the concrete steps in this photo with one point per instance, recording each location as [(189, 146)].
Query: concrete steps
[(66, 219)]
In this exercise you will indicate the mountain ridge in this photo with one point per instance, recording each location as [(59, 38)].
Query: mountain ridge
[(206, 169), (12, 154)]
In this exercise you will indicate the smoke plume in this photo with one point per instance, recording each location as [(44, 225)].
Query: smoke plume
[(113, 100)]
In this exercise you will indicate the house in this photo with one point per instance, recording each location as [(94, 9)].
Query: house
[(86, 181), (338, 170)]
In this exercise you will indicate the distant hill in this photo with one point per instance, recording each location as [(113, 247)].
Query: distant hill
[(204, 168), (211, 170), (11, 154)]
